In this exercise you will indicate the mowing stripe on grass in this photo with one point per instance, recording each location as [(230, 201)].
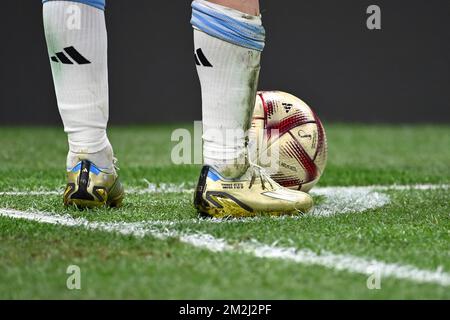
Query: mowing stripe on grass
[(187, 188), (338, 200), (340, 262)]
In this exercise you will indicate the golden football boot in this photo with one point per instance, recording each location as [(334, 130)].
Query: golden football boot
[(255, 193), (90, 187)]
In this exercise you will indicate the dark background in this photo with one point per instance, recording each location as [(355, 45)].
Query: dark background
[(319, 50)]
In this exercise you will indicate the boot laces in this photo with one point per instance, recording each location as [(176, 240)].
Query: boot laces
[(116, 164), (259, 172)]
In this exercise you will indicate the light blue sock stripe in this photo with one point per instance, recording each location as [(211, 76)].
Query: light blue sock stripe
[(100, 4), (226, 28), (238, 26), (235, 33), (218, 31)]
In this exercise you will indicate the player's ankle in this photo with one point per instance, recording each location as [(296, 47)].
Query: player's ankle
[(231, 168), (103, 159), (231, 171)]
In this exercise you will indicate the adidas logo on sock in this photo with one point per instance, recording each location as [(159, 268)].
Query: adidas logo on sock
[(200, 59), (73, 54)]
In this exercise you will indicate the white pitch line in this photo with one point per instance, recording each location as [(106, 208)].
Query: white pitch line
[(31, 193), (399, 187), (340, 262)]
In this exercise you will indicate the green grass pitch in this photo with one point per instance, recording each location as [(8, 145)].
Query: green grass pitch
[(179, 256)]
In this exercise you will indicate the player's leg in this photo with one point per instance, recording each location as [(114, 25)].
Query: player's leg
[(77, 44), (250, 7), (229, 38)]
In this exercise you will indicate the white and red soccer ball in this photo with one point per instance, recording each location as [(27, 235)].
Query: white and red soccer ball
[(286, 126)]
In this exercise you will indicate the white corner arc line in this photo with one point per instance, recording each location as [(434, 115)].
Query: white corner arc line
[(341, 200), (340, 262)]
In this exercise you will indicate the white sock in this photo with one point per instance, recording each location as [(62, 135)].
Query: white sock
[(228, 75), (77, 45), (103, 159)]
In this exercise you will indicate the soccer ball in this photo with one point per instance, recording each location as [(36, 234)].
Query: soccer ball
[(288, 140)]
